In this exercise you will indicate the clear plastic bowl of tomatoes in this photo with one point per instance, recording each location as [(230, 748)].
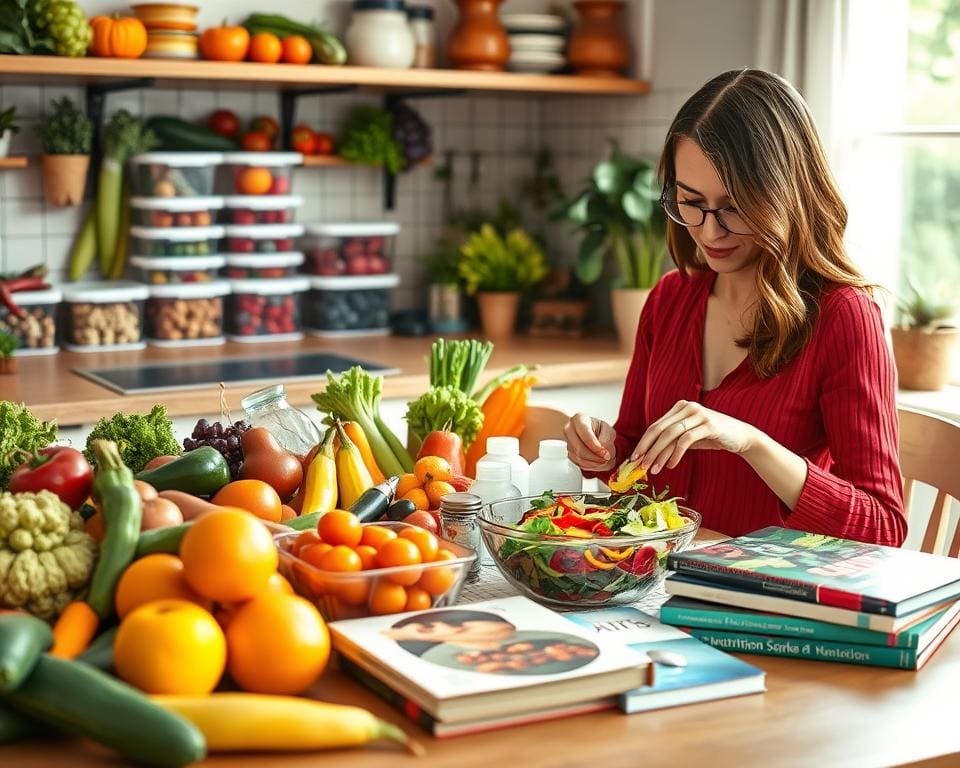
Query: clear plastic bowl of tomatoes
[(258, 173), (266, 310), (263, 209), (433, 582)]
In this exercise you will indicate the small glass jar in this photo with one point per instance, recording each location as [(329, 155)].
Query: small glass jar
[(458, 523), (379, 35), (292, 428), (424, 36)]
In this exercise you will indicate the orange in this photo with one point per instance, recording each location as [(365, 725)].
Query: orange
[(387, 597), (254, 496), (154, 577), (297, 50), (340, 527), (376, 536), (407, 483), (417, 599), (436, 490), (255, 181), (277, 644), (419, 498), (265, 48), (432, 468), (425, 541), (228, 555), (436, 580), (170, 646), (397, 552)]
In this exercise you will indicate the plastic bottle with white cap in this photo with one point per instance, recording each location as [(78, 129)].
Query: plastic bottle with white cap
[(553, 471), (493, 486), (506, 450)]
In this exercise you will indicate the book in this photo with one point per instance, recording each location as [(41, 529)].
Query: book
[(826, 570), (708, 674), (685, 586), (489, 659), (683, 612)]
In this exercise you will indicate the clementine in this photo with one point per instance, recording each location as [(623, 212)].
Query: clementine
[(297, 50), (432, 468), (255, 181), (154, 577), (265, 47), (255, 496)]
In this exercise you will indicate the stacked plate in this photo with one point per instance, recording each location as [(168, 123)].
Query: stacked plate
[(171, 29), (537, 41)]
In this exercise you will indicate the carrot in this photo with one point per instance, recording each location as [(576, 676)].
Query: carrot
[(504, 414), (358, 438), (74, 630)]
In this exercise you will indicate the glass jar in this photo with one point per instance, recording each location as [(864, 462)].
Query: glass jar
[(424, 36), (379, 35), (459, 524), (291, 427)]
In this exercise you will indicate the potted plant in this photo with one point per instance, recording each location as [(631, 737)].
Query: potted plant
[(8, 127), (498, 269), (8, 345), (619, 217), (66, 135), (925, 341)]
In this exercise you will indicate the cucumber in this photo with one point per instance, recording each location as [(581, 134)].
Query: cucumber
[(23, 639), (304, 522), (202, 472), (75, 697), (161, 540), (177, 134), (99, 653)]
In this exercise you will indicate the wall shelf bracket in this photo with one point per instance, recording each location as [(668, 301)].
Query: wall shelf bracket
[(288, 105)]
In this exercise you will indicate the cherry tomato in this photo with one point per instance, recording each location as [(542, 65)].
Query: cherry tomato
[(386, 597), (324, 143), (340, 527), (224, 122), (417, 599), (400, 552), (435, 580), (302, 140), (426, 542), (256, 141), (304, 540), (376, 536), (341, 559), (368, 556), (266, 124), (423, 519), (313, 553)]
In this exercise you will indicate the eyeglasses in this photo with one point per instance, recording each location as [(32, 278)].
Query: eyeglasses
[(692, 215)]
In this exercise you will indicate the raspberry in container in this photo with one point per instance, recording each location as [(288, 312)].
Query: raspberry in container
[(350, 306), (262, 238), (36, 331), (260, 209), (186, 314), (266, 310), (175, 211), (162, 270), (258, 173), (103, 315), (174, 174), (262, 266), (175, 241), (350, 248)]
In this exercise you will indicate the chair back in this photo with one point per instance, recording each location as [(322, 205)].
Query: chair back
[(542, 423)]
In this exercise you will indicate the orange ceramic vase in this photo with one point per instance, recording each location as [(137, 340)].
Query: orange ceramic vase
[(598, 46), (478, 41)]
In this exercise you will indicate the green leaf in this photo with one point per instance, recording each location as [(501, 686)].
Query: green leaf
[(607, 177), (645, 184), (589, 265), (577, 212), (638, 207)]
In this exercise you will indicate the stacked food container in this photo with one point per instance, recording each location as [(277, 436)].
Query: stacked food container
[(103, 315), (36, 331)]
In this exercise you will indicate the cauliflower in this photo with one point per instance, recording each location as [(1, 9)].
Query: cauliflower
[(46, 558)]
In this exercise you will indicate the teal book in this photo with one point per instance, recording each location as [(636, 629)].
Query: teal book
[(825, 570), (686, 670), (683, 612)]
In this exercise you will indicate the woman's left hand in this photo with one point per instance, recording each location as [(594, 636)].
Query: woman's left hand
[(690, 425)]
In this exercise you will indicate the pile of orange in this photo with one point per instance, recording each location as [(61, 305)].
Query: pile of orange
[(432, 479)]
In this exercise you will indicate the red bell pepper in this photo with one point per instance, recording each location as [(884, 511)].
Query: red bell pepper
[(57, 468), (570, 520)]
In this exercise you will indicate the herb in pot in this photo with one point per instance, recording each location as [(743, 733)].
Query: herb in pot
[(20, 429), (8, 121), (368, 139), (494, 262), (67, 131)]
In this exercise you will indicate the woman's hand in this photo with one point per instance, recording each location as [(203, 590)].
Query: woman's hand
[(690, 425), (591, 443)]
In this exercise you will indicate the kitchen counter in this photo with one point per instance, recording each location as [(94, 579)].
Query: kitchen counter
[(49, 386)]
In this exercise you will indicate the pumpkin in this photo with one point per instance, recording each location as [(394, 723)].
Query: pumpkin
[(224, 43), (118, 37)]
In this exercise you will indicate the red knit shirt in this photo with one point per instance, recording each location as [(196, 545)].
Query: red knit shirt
[(834, 405)]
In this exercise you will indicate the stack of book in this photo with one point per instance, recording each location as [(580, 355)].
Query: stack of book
[(780, 592)]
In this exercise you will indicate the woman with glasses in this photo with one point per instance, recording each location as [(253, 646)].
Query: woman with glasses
[(761, 389)]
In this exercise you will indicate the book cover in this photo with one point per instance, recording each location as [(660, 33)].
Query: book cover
[(706, 674), (684, 612), (825, 570), (489, 659)]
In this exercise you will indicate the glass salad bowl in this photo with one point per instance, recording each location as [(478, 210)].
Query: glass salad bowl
[(561, 551)]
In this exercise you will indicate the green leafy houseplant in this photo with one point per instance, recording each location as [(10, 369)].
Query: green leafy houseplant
[(490, 261), (922, 311), (66, 131), (8, 345), (925, 340), (8, 121), (368, 139)]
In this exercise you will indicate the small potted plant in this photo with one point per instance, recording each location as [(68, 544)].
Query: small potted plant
[(66, 135), (8, 127), (498, 269), (925, 341), (8, 345)]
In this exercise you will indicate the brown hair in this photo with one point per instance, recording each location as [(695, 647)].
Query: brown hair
[(758, 133)]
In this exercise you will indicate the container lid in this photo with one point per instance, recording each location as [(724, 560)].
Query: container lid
[(178, 263), (182, 159), (503, 446), (190, 290), (379, 5), (419, 12), (270, 286), (494, 471), (553, 449), (177, 204), (354, 229), (460, 503), (263, 230), (263, 397), (265, 260), (180, 234), (354, 282), (263, 202), (263, 158), (104, 292), (31, 298)]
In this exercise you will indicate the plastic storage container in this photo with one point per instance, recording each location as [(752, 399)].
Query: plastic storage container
[(174, 174), (258, 173), (262, 266), (162, 270), (37, 332), (175, 211), (553, 471), (348, 306), (175, 241), (266, 310), (262, 238), (358, 248), (103, 315), (186, 314), (506, 450), (263, 209)]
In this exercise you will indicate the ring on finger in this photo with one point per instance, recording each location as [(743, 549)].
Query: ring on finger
[(683, 425)]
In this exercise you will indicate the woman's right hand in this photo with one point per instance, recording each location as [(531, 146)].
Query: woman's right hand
[(591, 443)]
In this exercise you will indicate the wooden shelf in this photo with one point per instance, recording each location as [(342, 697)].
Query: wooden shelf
[(39, 70), (325, 161), (13, 162)]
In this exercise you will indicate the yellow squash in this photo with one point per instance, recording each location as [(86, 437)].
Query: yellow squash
[(353, 477), (320, 487)]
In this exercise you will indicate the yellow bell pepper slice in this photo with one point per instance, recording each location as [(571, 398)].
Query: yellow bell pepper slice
[(598, 563), (628, 474), (617, 554)]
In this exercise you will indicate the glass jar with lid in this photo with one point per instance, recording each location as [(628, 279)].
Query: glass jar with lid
[(459, 524), (292, 428), (424, 35), (379, 35)]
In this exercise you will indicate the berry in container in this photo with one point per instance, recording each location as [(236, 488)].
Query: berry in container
[(175, 241), (261, 238), (354, 248), (36, 331), (258, 173), (103, 315), (350, 306), (175, 211), (262, 266), (266, 310), (186, 314), (162, 270), (174, 174), (260, 209)]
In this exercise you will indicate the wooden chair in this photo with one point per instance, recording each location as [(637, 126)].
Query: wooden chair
[(930, 454), (542, 424)]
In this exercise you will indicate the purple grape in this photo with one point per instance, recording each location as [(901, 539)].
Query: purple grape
[(223, 439)]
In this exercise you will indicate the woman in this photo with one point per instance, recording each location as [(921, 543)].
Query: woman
[(761, 389)]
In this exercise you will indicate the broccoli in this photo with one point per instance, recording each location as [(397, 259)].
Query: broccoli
[(139, 438), (20, 429)]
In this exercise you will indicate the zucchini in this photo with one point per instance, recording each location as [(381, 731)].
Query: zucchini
[(180, 135), (99, 653), (161, 540), (202, 472), (23, 639), (304, 522), (15, 727), (75, 697)]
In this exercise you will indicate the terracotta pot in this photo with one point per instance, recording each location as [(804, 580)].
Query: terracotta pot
[(64, 178), (478, 40), (8, 365), (598, 46), (924, 358), (498, 313), (627, 305)]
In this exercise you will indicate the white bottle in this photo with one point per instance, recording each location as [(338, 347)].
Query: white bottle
[(506, 450), (553, 471), (493, 486)]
